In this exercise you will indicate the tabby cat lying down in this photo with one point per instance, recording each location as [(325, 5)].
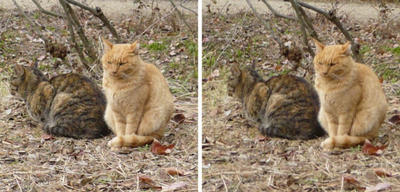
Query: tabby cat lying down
[(69, 105), (284, 106)]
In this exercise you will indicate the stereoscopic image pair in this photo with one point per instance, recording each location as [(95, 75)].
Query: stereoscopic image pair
[(103, 95)]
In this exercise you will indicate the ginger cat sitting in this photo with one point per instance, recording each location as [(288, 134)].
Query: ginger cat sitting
[(353, 104), (139, 103)]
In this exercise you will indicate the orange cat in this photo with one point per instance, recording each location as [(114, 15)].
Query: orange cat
[(353, 104), (139, 103)]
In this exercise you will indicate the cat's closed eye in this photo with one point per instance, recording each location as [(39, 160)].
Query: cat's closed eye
[(122, 63), (332, 64)]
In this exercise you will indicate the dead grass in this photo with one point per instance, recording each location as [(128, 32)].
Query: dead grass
[(32, 162), (235, 159)]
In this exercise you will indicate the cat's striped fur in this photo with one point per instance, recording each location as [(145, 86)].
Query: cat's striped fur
[(283, 106), (69, 105)]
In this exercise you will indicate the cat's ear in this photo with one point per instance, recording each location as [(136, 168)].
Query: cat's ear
[(347, 48), (235, 70), (318, 45), (19, 70), (107, 45), (134, 47)]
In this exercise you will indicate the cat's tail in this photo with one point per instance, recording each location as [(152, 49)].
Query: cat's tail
[(135, 140), (347, 140)]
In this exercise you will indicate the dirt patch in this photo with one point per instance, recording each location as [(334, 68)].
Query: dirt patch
[(32, 161), (236, 158)]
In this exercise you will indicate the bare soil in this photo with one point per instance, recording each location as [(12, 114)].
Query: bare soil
[(237, 158), (32, 161)]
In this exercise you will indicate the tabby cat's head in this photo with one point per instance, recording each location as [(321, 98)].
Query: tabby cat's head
[(120, 61), (333, 61), (241, 79), (234, 79), (24, 79)]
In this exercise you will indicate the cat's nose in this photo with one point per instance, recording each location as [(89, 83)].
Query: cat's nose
[(325, 73)]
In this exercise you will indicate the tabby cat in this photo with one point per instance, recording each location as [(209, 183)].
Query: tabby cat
[(353, 104), (139, 103), (283, 106), (69, 105)]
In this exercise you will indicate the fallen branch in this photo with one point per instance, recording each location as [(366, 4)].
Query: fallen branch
[(41, 9), (276, 14), (99, 14), (267, 25)]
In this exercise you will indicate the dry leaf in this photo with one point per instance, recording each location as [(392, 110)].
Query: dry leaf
[(147, 182), (174, 171), (47, 137), (378, 187), (179, 118), (159, 149), (370, 149), (382, 173), (174, 186), (395, 119), (350, 179), (262, 138)]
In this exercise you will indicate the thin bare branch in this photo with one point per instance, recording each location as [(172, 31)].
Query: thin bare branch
[(276, 14), (99, 14), (308, 23), (41, 9), (332, 17), (194, 12), (80, 31), (72, 36), (36, 27), (266, 24), (181, 16), (303, 25)]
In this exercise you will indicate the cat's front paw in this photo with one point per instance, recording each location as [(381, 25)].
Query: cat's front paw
[(114, 143), (328, 144)]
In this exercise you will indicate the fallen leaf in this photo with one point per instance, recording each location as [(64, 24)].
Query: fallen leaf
[(370, 149), (147, 182), (47, 137), (382, 173), (179, 118), (378, 187), (395, 119), (41, 58), (159, 149), (350, 179), (262, 138), (174, 171), (174, 186)]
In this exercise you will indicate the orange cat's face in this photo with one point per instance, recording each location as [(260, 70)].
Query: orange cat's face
[(119, 60), (332, 61)]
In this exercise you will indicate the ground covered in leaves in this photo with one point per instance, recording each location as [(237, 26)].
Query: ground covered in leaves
[(237, 158), (33, 161)]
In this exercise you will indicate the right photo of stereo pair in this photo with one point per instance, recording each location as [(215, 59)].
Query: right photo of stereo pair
[(301, 96)]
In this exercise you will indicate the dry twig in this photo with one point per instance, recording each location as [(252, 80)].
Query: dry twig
[(41, 9), (99, 14), (276, 14), (181, 16), (266, 24), (332, 17)]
